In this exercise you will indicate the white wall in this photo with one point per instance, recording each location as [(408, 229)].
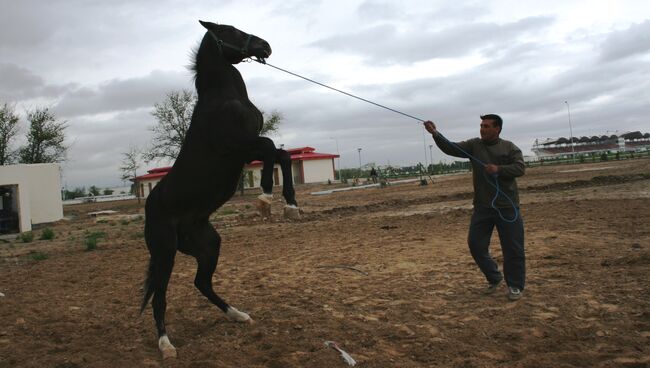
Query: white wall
[(318, 171), (145, 188), (39, 192)]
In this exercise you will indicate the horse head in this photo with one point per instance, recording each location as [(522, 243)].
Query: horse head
[(236, 45)]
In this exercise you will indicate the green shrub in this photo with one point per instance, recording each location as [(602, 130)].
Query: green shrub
[(38, 256), (92, 239), (227, 211), (125, 222), (27, 237), (96, 234), (47, 234), (91, 244)]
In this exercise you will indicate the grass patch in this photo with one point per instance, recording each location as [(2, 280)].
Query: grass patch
[(92, 239), (91, 244), (38, 256), (125, 222), (47, 234), (27, 237), (227, 211), (137, 235)]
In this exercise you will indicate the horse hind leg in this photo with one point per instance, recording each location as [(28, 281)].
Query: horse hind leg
[(205, 248), (162, 248), (159, 304)]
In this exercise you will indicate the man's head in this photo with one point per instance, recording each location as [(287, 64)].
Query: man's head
[(491, 125)]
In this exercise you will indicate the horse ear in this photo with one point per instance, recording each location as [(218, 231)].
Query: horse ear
[(207, 25)]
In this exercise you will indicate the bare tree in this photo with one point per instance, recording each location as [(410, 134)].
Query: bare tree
[(130, 167), (173, 117), (8, 131), (45, 138)]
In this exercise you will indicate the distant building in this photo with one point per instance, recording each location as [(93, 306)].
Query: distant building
[(307, 166), (557, 147), (29, 195)]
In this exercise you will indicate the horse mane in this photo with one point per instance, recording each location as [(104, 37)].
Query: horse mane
[(194, 58)]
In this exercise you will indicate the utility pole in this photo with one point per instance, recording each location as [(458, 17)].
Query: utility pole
[(573, 151), (338, 154)]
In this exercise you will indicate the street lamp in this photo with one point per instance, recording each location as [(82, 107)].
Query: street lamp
[(573, 151), (338, 154), (359, 150)]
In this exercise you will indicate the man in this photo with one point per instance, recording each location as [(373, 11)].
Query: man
[(500, 163)]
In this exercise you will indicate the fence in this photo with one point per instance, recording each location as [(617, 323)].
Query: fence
[(589, 158)]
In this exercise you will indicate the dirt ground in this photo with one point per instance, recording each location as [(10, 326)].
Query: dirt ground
[(385, 273)]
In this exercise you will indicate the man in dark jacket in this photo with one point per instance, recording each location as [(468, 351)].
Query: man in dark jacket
[(495, 164)]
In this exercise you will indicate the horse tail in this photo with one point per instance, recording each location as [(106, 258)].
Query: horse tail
[(147, 290)]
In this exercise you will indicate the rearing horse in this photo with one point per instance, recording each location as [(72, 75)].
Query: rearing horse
[(223, 136)]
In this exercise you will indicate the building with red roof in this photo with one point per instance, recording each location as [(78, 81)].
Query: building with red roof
[(307, 166)]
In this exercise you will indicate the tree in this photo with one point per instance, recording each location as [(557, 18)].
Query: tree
[(45, 139), (76, 193), (271, 123), (8, 131), (174, 115), (93, 190), (130, 166)]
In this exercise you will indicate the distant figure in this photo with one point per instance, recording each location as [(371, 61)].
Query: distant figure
[(504, 162), (373, 175)]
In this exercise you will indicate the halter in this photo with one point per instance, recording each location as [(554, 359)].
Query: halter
[(220, 43)]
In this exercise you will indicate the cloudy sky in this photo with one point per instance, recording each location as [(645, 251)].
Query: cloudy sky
[(102, 65)]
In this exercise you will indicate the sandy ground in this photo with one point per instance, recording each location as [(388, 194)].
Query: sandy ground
[(383, 272)]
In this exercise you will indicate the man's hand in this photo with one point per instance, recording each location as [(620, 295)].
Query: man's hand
[(431, 127), (492, 169)]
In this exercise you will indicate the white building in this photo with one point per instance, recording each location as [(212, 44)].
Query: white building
[(30, 194), (307, 166)]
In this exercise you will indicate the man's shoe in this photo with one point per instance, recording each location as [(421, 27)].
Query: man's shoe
[(492, 288), (514, 293)]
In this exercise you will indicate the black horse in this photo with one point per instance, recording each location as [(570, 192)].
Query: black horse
[(223, 136)]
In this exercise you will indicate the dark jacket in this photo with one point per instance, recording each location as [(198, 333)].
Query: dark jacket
[(500, 152)]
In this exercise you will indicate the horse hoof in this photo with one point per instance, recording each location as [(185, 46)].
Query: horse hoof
[(238, 316), (169, 353), (166, 348), (292, 212), (263, 205)]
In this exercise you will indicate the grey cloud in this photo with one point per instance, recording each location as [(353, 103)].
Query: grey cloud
[(377, 10), (433, 15), (386, 44), (20, 83), (632, 41), (123, 94), (293, 8)]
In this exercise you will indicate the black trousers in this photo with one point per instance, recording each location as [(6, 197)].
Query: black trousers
[(511, 235)]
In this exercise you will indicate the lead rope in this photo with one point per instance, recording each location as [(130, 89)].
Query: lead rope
[(453, 144)]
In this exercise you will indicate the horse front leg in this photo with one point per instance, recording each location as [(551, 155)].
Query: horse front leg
[(265, 151), (291, 210)]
